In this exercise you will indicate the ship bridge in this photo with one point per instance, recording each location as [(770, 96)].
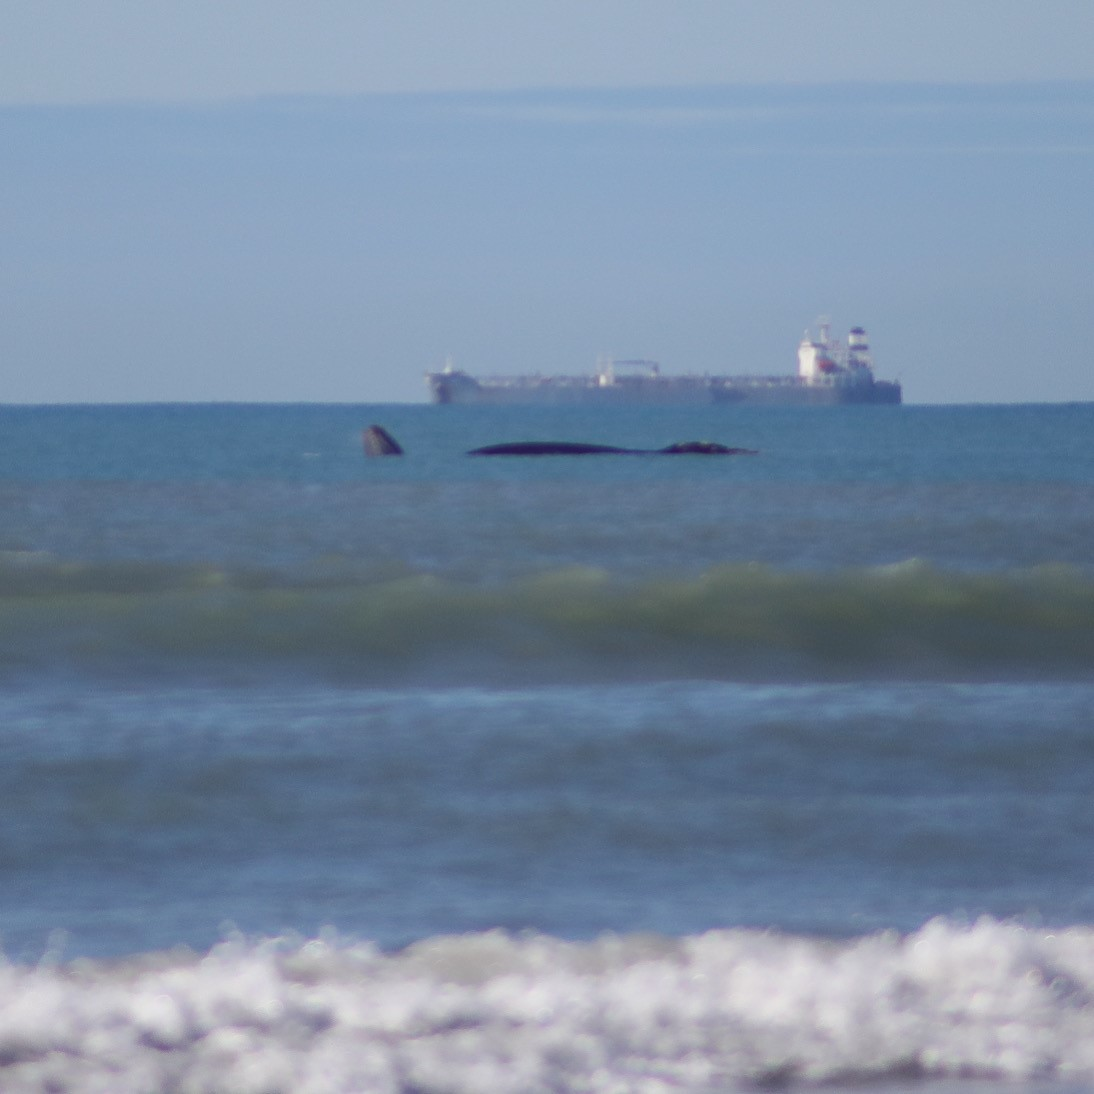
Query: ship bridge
[(609, 371)]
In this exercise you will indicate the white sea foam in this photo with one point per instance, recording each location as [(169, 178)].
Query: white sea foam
[(490, 1012)]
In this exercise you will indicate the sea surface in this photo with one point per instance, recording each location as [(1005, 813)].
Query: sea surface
[(449, 775)]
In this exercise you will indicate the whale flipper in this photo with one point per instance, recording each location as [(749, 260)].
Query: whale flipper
[(379, 442)]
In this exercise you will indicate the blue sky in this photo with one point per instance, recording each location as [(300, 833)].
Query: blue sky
[(95, 50), (318, 202)]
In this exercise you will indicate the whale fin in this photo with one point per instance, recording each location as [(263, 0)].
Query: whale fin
[(379, 442)]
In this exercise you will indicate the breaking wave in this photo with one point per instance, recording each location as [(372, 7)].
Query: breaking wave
[(493, 1012), (736, 621)]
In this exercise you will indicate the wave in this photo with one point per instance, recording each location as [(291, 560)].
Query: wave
[(491, 1011), (908, 621)]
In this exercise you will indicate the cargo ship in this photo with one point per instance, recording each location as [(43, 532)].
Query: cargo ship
[(829, 374)]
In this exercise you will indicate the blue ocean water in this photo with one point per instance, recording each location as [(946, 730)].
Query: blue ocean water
[(609, 773)]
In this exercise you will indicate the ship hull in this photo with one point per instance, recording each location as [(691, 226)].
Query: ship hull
[(797, 393), (460, 389)]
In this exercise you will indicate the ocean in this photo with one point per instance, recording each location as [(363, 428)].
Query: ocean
[(435, 774)]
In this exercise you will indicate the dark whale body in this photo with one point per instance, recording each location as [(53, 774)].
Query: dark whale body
[(547, 448), (704, 448), (378, 441), (570, 448)]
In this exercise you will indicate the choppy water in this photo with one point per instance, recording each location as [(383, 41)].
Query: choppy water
[(581, 774)]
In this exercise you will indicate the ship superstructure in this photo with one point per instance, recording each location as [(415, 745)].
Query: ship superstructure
[(828, 374)]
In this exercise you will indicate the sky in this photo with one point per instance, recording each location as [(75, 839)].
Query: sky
[(272, 200), (67, 51)]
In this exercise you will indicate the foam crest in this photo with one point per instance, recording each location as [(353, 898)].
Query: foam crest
[(990, 1000)]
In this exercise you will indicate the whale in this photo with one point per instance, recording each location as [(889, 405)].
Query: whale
[(572, 448), (378, 441), (548, 448)]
